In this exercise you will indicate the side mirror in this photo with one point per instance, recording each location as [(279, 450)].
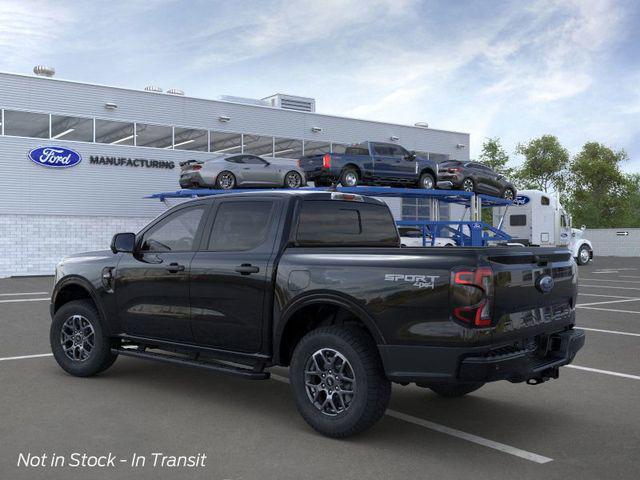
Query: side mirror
[(410, 156), (123, 242)]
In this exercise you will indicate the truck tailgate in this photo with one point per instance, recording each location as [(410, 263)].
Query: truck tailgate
[(535, 291), (311, 163)]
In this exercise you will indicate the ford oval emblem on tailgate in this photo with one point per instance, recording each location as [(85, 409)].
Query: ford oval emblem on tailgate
[(56, 157), (545, 283)]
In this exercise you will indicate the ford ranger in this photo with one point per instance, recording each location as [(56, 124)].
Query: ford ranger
[(316, 281), (371, 163)]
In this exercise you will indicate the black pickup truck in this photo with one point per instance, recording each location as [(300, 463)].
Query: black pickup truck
[(316, 281)]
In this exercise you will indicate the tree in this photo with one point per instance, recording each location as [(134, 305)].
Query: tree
[(494, 156), (600, 194), (545, 164)]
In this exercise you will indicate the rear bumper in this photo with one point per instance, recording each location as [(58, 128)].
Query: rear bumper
[(320, 174), (192, 179), (422, 364)]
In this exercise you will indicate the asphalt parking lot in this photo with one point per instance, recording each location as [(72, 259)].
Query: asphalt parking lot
[(584, 425)]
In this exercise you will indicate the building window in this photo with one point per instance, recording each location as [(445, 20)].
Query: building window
[(287, 148), (257, 145), (338, 148), (157, 136), (416, 209), (71, 128), (115, 133), (190, 139), (316, 148), (226, 142), (26, 124)]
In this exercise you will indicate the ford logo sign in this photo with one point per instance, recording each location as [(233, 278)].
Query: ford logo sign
[(55, 157), (521, 200), (545, 283)]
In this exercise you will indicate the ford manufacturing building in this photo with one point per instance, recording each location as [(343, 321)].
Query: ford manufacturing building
[(129, 144)]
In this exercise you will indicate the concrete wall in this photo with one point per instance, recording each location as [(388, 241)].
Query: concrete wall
[(611, 242)]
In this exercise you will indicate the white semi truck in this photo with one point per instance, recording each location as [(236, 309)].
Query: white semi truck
[(537, 218)]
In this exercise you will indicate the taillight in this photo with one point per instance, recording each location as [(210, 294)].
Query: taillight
[(326, 161), (472, 296), (453, 170), (196, 167)]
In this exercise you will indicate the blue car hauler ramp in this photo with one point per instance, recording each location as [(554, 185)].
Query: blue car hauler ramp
[(473, 232)]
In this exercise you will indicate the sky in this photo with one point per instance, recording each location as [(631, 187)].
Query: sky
[(509, 69)]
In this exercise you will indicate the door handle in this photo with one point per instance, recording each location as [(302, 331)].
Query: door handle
[(175, 268), (247, 269)]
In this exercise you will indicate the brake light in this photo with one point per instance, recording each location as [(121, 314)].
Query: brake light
[(454, 170), (473, 294), (196, 167), (326, 161)]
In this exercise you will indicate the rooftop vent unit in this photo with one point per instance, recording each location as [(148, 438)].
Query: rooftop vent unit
[(153, 88), (291, 102), (175, 91), (43, 71), (244, 100)]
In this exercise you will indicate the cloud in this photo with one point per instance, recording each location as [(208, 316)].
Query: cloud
[(30, 30)]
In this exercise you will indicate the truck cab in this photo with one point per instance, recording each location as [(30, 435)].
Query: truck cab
[(537, 218)]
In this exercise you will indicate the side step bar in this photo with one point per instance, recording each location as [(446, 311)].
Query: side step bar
[(212, 365)]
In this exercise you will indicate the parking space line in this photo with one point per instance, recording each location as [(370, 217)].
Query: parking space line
[(23, 293), (608, 309), (517, 452), (17, 300), (23, 357), (606, 372), (582, 294), (629, 276), (610, 331), (610, 286), (608, 280), (469, 437), (608, 301)]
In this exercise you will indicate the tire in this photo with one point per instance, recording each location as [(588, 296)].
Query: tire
[(354, 352), (584, 255), (349, 177), (225, 180), (508, 194), (468, 185), (292, 179), (81, 315), (427, 181), (456, 389)]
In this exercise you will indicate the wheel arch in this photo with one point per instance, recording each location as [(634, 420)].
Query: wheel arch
[(314, 310), (354, 166), (76, 288), (430, 171)]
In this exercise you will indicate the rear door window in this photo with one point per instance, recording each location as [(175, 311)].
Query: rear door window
[(345, 223)]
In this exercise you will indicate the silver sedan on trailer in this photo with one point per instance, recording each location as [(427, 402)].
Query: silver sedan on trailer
[(241, 170)]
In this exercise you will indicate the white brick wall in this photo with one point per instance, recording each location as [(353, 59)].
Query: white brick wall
[(33, 244), (612, 242)]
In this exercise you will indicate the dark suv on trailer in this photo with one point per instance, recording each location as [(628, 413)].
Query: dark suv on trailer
[(474, 177)]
